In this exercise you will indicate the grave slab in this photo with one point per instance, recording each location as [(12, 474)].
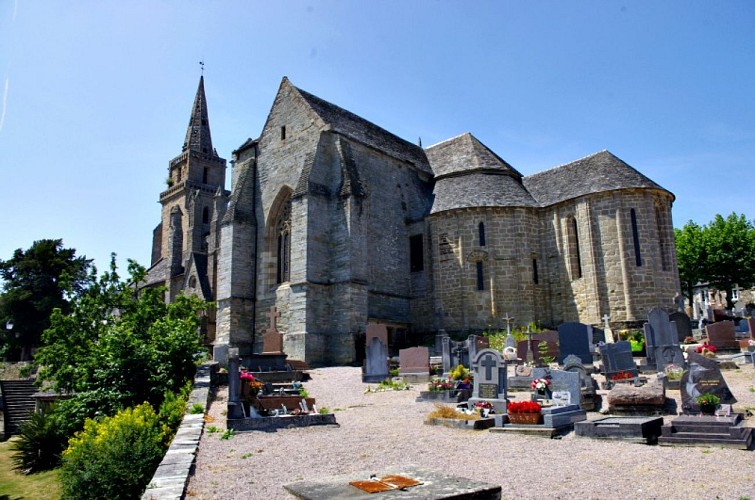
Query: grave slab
[(644, 430), (704, 430), (433, 485)]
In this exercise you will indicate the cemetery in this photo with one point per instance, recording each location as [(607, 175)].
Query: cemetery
[(577, 387)]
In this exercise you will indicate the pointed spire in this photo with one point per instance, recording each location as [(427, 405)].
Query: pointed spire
[(198, 136)]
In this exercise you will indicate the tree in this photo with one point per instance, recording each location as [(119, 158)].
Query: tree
[(721, 254), (730, 247), (120, 346), (36, 282), (691, 257)]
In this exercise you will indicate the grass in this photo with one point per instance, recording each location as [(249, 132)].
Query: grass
[(43, 485), (445, 411)]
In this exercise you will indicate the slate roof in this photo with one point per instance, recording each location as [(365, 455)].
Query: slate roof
[(479, 189), (156, 274), (596, 173), (465, 153), (355, 127)]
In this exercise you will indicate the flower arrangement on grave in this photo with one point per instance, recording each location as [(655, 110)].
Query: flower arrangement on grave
[(541, 385), (250, 386), (460, 372), (689, 340), (524, 412), (707, 403), (707, 350), (673, 372), (464, 384), (622, 375), (440, 384), (483, 405)]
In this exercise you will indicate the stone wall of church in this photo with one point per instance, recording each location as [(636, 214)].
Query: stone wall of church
[(597, 271), (507, 259)]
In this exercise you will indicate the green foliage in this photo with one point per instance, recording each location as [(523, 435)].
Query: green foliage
[(228, 434), (113, 458), (721, 254), (497, 338), (196, 409), (39, 444), (303, 393), (13, 485), (172, 412), (120, 341), (707, 399), (36, 282), (324, 410)]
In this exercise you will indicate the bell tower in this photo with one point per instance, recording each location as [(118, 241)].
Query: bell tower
[(194, 195)]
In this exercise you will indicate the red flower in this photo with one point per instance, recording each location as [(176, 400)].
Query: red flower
[(705, 347), (524, 407)]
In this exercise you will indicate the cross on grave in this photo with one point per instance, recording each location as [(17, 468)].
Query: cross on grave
[(530, 352), (508, 319), (605, 319), (273, 316), (488, 362)]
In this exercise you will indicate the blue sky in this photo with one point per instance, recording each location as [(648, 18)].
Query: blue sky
[(96, 95)]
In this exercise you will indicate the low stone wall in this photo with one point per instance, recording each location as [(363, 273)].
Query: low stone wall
[(283, 422), (172, 475)]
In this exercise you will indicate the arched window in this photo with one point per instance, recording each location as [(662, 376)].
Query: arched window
[(283, 233), (481, 231), (205, 175), (480, 275), (206, 215), (663, 243), (635, 238), (575, 260), (535, 276)]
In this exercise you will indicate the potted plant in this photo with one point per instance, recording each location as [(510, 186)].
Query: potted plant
[(524, 412), (707, 403), (542, 386)]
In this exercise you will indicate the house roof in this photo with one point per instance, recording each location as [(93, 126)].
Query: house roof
[(598, 172), (478, 189)]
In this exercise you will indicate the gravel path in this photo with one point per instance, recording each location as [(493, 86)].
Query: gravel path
[(385, 429)]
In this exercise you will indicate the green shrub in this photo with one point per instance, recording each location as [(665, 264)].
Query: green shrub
[(39, 444), (113, 458), (172, 411)]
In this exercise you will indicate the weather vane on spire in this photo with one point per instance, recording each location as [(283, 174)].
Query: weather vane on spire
[(201, 63)]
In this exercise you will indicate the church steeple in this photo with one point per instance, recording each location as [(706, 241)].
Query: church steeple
[(198, 136)]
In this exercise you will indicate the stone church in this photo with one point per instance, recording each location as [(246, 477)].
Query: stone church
[(334, 226)]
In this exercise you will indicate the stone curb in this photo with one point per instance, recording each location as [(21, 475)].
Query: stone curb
[(172, 475)]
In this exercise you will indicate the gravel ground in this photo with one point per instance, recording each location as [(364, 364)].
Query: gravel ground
[(385, 429)]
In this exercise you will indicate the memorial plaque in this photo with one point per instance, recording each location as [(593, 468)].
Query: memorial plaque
[(488, 391)]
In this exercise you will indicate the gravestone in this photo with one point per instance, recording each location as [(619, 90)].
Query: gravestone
[(702, 376), (683, 325), (476, 343), (489, 379), (550, 338), (751, 326), (446, 354), (562, 381), (510, 341), (377, 330), (573, 364), (723, 337), (414, 364), (574, 338), (272, 340), (375, 361), (617, 357), (598, 336), (662, 340)]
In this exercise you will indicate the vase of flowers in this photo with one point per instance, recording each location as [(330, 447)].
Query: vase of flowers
[(524, 412), (542, 386), (485, 408), (707, 403)]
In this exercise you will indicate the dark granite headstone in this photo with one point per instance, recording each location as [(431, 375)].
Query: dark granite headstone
[(598, 336), (683, 325), (574, 338), (662, 340), (617, 357), (702, 376)]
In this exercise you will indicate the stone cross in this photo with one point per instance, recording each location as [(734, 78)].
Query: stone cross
[(488, 362), (508, 319), (605, 319), (530, 352), (273, 315)]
